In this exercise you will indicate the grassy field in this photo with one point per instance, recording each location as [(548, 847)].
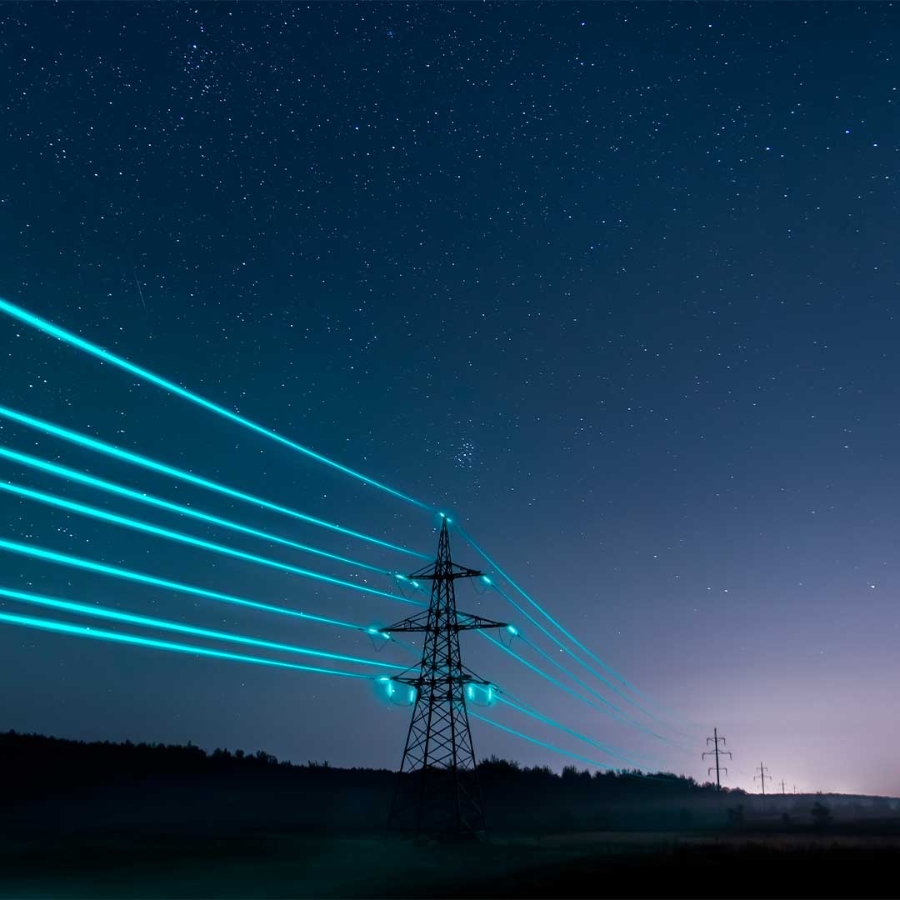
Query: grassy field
[(370, 866)]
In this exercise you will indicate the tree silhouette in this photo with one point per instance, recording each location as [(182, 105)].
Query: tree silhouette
[(821, 814)]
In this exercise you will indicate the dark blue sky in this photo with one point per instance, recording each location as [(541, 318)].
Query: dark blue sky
[(615, 283)]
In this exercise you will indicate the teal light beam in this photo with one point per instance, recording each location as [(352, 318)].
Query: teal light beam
[(519, 608), (582, 663), (531, 711), (139, 525), (632, 721), (617, 713), (480, 550), (29, 318), (82, 440), (77, 562), (544, 744), (625, 683), (104, 612), (191, 650), (133, 639), (551, 679), (150, 500), (527, 710)]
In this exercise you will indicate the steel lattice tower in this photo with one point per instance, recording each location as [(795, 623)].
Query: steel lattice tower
[(437, 788), (715, 740)]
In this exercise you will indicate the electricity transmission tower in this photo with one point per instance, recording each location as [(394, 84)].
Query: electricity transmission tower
[(437, 789), (762, 777), (714, 740)]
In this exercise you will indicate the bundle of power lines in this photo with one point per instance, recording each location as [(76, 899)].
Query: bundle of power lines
[(581, 666)]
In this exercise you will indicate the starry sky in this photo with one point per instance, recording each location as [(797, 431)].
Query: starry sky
[(612, 283)]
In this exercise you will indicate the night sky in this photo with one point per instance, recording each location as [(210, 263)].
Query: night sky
[(612, 283)]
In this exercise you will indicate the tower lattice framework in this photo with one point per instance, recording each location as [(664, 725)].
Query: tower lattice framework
[(437, 789)]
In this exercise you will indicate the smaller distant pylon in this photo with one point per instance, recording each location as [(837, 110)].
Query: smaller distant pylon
[(715, 740)]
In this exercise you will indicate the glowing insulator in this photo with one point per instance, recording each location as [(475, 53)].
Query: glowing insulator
[(481, 694), (397, 694)]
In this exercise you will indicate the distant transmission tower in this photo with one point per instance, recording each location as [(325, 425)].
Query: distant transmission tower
[(762, 777), (714, 740), (437, 789)]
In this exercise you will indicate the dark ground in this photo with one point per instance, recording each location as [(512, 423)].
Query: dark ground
[(118, 820), (372, 866)]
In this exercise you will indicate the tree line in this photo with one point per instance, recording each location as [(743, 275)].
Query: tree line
[(91, 761)]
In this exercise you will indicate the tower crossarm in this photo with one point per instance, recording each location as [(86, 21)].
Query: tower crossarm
[(421, 623), (419, 680), (418, 622), (720, 752), (469, 622), (452, 571)]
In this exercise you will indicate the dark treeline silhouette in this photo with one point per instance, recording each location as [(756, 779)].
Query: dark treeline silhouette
[(81, 786), (90, 762), (159, 783)]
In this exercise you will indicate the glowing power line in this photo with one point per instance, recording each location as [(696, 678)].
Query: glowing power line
[(540, 743), (551, 679), (555, 639), (570, 636), (78, 562), (74, 340), (608, 708), (625, 717), (150, 500), (569, 652), (544, 612), (189, 649), (529, 710), (139, 525), (90, 443), (133, 639), (104, 612)]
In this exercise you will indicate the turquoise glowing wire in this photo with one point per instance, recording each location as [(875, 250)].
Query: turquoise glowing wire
[(90, 443), (192, 650), (527, 710), (78, 562), (139, 525), (593, 671), (531, 711), (549, 678), (74, 340), (477, 547), (133, 639), (104, 612), (150, 500), (569, 652), (620, 715), (625, 716), (539, 743)]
